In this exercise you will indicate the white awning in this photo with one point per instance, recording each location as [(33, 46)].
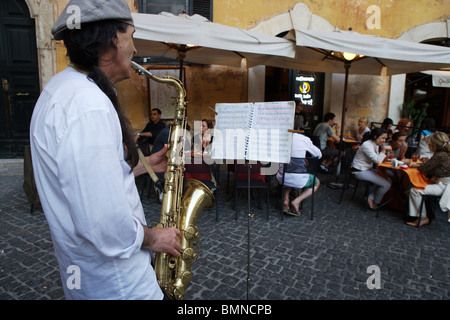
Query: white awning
[(198, 40)]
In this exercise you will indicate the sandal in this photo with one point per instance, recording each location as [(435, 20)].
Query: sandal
[(295, 213)]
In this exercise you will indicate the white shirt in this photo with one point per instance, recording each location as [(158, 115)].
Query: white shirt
[(300, 144), (88, 193), (367, 155)]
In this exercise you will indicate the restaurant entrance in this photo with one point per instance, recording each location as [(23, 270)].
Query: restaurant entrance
[(288, 85), (419, 87)]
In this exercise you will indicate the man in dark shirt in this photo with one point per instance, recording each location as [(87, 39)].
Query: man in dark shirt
[(147, 136)]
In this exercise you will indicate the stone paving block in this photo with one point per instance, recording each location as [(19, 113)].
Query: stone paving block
[(290, 259)]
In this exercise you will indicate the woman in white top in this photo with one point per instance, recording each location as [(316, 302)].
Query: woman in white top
[(300, 145), (368, 155)]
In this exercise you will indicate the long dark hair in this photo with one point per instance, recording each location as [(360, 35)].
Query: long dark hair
[(84, 46), (376, 132)]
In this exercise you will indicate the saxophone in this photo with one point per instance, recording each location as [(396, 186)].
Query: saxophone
[(178, 210)]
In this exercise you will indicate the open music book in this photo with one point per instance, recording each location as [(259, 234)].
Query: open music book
[(254, 131)]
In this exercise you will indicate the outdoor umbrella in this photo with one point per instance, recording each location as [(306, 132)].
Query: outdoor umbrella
[(350, 52), (198, 40)]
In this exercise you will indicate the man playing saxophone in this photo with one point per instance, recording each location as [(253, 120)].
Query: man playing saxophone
[(85, 162)]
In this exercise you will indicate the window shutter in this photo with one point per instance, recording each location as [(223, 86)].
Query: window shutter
[(203, 8)]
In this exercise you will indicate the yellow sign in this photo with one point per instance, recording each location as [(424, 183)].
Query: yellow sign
[(305, 87)]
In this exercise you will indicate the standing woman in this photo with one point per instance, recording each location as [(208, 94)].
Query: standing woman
[(364, 163), (439, 167)]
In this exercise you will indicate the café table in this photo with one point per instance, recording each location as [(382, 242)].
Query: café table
[(403, 179), (416, 178), (350, 143)]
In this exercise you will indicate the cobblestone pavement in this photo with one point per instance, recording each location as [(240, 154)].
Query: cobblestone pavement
[(290, 259)]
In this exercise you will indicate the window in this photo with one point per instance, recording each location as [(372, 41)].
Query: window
[(190, 7)]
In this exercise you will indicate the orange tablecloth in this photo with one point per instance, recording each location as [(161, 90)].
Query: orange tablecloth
[(416, 178)]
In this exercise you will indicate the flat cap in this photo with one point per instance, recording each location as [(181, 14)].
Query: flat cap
[(78, 12)]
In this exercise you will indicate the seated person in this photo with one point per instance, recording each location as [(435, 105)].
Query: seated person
[(439, 167), (299, 117), (369, 154), (362, 129), (203, 140), (387, 125), (399, 145), (300, 145), (428, 128), (146, 137), (324, 131), (405, 125)]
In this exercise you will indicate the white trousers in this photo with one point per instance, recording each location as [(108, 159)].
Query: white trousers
[(415, 196)]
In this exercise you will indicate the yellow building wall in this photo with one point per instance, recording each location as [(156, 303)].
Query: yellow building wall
[(205, 86), (368, 96), (208, 85), (396, 16)]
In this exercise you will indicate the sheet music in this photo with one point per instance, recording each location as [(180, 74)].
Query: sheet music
[(269, 139), (230, 130), (254, 131)]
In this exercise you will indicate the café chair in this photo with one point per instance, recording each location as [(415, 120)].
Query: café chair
[(316, 141), (300, 166), (208, 175), (346, 170), (431, 203), (257, 181), (348, 176)]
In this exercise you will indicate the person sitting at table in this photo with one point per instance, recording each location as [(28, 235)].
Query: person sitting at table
[(387, 125), (299, 117), (324, 131), (369, 154), (146, 137), (362, 129), (404, 125), (428, 128), (399, 145), (300, 145), (439, 167), (204, 139)]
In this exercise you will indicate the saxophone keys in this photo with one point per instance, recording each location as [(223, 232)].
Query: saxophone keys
[(191, 233), (189, 255)]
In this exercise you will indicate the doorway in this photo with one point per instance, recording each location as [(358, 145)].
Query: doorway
[(19, 75), (282, 85)]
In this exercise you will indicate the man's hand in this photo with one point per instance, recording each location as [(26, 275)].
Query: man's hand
[(158, 162), (162, 240)]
